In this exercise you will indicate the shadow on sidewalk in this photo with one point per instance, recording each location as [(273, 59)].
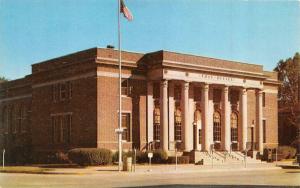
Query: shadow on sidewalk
[(214, 186), (289, 167), (61, 166)]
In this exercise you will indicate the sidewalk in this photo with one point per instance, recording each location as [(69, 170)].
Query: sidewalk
[(146, 169)]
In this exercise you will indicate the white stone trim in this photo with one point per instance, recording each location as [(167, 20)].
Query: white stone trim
[(116, 75), (90, 74), (211, 78), (274, 91), (62, 113), (15, 98), (115, 60), (220, 70)]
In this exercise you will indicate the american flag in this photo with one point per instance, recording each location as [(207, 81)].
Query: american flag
[(126, 12)]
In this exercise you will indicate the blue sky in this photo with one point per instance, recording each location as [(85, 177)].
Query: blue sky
[(259, 32)]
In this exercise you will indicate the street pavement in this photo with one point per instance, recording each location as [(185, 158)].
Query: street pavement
[(160, 176)]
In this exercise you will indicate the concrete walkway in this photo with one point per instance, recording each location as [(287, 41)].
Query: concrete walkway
[(165, 169)]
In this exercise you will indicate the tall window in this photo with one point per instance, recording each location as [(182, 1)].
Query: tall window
[(125, 89), (200, 136), (217, 126), (126, 127), (5, 119), (234, 126), (61, 128), (156, 127), (62, 91), (264, 131), (197, 121), (20, 116), (178, 124)]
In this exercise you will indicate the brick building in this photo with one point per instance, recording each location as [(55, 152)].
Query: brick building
[(167, 98)]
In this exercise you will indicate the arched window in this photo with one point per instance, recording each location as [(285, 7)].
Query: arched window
[(234, 126), (197, 116), (197, 121), (178, 123), (217, 126), (156, 126)]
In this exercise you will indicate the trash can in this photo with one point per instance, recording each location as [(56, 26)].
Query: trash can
[(127, 165)]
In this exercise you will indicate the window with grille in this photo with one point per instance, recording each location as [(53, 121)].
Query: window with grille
[(126, 127), (217, 127), (4, 119), (178, 125), (234, 126), (125, 89), (156, 126), (62, 91), (200, 136), (61, 128)]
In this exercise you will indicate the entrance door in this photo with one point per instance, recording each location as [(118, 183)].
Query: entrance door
[(217, 130)]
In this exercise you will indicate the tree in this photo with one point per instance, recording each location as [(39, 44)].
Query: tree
[(3, 79), (288, 95)]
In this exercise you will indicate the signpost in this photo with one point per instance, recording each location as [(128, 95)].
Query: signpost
[(119, 131), (150, 155)]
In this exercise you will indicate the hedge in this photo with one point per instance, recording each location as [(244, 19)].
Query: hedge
[(180, 160), (159, 156), (90, 156)]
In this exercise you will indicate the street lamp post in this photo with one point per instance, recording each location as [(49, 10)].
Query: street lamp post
[(3, 158)]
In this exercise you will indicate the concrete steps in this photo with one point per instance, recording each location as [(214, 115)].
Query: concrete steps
[(219, 157)]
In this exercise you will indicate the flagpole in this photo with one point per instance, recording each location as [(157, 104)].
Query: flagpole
[(120, 92)]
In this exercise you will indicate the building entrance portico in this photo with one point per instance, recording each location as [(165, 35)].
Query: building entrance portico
[(198, 115)]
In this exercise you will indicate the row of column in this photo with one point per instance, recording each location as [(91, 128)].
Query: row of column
[(166, 118)]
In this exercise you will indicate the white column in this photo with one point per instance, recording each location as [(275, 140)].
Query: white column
[(150, 109), (244, 118), (171, 116), (186, 127), (164, 115), (260, 122), (226, 126), (205, 98), (191, 117)]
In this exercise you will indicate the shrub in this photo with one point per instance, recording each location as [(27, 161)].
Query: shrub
[(287, 152), (90, 156), (141, 157), (180, 160), (160, 156)]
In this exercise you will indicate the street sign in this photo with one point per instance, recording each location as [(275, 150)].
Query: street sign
[(150, 155)]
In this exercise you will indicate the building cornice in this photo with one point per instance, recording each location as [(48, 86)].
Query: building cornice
[(204, 68)]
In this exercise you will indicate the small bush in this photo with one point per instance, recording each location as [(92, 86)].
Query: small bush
[(180, 160), (160, 156), (90, 156), (287, 152), (141, 157)]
